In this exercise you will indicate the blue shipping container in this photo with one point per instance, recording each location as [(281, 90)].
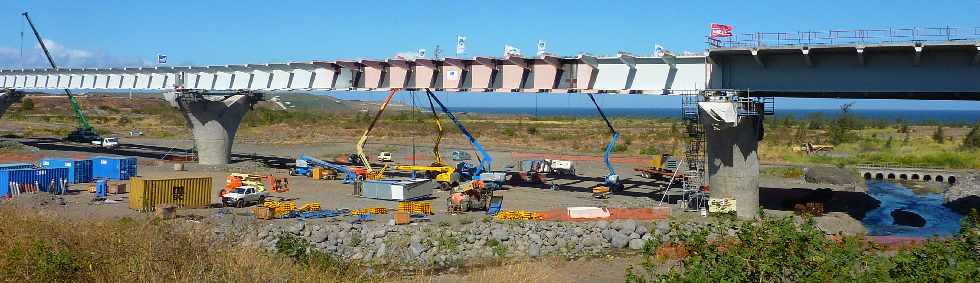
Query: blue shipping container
[(113, 168), (79, 171), (15, 166), (51, 179)]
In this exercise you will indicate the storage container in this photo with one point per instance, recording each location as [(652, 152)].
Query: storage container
[(398, 189), (15, 166), (114, 168), (45, 180), (145, 194), (79, 171)]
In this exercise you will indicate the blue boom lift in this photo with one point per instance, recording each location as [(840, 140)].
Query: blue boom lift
[(477, 194), (304, 166), (611, 181)]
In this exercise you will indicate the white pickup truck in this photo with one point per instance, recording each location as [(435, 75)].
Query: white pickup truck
[(244, 196), (106, 143)]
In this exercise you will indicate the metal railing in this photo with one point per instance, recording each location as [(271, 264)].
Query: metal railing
[(845, 37)]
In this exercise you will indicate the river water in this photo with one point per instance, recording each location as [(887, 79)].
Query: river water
[(940, 220)]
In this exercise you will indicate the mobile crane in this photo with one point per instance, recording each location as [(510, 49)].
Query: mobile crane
[(84, 133), (445, 175), (611, 182), (478, 192), (369, 173)]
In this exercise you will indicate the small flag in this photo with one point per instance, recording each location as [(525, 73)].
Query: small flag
[(510, 50), (541, 47), (161, 59), (720, 30), (460, 44), (421, 53)]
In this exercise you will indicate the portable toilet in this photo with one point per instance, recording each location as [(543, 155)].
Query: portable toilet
[(114, 168)]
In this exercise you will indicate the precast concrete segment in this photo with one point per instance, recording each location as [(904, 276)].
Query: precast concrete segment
[(214, 121), (733, 160), (8, 97)]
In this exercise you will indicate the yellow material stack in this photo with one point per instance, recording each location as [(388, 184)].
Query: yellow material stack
[(369, 210), (518, 215), (416, 207), (313, 206)]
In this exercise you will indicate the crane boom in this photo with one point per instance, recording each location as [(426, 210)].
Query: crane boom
[(435, 149), (364, 137), (614, 135), (82, 122), (486, 162)]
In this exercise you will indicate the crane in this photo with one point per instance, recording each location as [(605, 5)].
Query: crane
[(478, 192), (84, 133), (369, 173), (612, 180), (445, 175)]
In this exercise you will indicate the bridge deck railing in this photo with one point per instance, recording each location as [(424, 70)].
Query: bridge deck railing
[(842, 37)]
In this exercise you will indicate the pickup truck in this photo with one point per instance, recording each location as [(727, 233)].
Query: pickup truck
[(244, 196), (106, 143), (384, 156)]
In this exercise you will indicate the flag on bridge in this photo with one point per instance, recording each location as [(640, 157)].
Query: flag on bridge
[(720, 30), (161, 59)]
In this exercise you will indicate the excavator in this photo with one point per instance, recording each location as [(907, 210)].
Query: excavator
[(445, 175), (85, 133), (369, 173), (611, 182), (477, 192)]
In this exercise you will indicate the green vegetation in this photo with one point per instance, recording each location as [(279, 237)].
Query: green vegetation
[(972, 139), (784, 172), (27, 104), (938, 136), (781, 250)]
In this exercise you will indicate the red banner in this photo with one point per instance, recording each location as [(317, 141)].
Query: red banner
[(720, 30)]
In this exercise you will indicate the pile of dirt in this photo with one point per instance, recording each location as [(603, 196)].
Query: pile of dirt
[(830, 175)]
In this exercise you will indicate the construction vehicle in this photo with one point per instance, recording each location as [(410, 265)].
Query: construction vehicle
[(445, 175), (306, 165), (369, 173), (611, 180), (477, 192), (84, 133), (810, 148), (661, 167)]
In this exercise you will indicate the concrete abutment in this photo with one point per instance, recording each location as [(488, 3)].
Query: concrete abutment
[(214, 121)]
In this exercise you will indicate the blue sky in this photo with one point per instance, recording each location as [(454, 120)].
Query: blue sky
[(112, 33)]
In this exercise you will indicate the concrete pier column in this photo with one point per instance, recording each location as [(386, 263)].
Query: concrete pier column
[(732, 156), (214, 121), (8, 97)]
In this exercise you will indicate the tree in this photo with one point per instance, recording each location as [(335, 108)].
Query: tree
[(27, 104), (839, 131), (903, 128), (972, 139), (938, 135), (888, 143)]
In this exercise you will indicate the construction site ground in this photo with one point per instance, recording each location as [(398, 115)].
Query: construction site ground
[(266, 159)]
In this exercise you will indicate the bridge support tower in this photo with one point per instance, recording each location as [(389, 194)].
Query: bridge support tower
[(214, 119), (733, 129)]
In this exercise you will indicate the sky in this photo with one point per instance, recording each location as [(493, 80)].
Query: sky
[(131, 33)]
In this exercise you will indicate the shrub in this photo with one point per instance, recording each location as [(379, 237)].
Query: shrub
[(938, 135), (27, 104), (972, 139)]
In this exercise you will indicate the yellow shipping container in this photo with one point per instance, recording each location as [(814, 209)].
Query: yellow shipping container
[(145, 194)]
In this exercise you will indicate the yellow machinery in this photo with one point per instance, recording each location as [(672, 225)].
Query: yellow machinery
[(369, 172), (810, 148), (444, 174)]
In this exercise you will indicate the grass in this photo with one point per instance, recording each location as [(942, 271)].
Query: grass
[(38, 247)]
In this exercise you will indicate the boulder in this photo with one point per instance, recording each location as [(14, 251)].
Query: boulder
[(636, 244)]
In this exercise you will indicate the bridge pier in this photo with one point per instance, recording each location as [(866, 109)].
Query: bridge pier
[(214, 120), (732, 155), (8, 97)]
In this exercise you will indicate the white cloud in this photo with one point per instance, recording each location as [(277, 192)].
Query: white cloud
[(65, 57)]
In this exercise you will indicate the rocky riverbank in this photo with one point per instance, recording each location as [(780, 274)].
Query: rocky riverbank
[(442, 245)]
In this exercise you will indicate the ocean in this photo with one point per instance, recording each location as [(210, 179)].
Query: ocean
[(943, 116)]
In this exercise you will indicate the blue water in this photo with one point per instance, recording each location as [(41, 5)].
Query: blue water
[(940, 220), (911, 115)]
